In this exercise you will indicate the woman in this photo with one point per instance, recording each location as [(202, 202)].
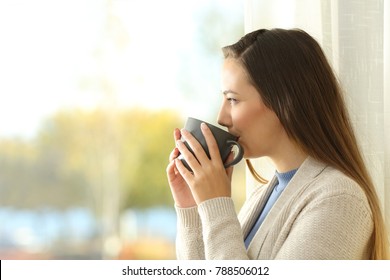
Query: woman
[(283, 101)]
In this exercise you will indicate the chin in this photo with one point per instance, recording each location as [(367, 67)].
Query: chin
[(251, 155), (248, 155)]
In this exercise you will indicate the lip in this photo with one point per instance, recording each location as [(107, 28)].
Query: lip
[(233, 133)]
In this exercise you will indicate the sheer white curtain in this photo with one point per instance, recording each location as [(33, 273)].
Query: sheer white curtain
[(355, 35)]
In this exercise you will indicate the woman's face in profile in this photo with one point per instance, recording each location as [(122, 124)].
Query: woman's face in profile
[(246, 116)]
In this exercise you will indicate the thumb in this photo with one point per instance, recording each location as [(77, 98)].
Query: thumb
[(229, 170)]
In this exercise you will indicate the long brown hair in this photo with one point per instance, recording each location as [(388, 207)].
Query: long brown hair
[(295, 80)]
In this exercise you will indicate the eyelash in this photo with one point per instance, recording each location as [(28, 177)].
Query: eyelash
[(232, 100)]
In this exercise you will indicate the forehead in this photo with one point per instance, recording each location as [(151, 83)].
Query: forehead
[(233, 74)]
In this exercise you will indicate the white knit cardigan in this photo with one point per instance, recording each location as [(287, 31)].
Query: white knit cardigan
[(322, 214)]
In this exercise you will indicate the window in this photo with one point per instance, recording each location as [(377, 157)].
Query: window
[(90, 94)]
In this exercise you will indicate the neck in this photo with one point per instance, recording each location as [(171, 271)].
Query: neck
[(289, 163), (288, 158)]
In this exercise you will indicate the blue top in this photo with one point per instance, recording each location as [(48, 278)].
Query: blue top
[(283, 180)]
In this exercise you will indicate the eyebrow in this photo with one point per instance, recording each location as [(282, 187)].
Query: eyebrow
[(229, 91)]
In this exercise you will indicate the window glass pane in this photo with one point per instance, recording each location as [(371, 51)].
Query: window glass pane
[(91, 91)]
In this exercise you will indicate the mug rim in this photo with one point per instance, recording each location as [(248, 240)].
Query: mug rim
[(213, 126)]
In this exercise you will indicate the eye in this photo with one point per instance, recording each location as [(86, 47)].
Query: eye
[(230, 96), (232, 100)]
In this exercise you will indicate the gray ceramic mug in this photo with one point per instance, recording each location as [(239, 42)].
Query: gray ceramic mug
[(224, 139)]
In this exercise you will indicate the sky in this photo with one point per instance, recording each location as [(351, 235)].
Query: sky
[(54, 54), (41, 44)]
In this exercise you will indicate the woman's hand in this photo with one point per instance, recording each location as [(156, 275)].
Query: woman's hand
[(209, 178), (180, 191)]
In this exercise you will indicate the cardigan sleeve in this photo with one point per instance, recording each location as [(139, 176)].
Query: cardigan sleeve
[(334, 227), (210, 231), (222, 233), (189, 240)]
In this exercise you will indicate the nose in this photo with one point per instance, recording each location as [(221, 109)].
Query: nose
[(224, 117)]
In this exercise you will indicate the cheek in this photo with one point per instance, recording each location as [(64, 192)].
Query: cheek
[(260, 131), (253, 119), (246, 123), (249, 127)]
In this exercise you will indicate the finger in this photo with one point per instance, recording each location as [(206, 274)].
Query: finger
[(211, 142), (176, 134), (174, 154), (184, 172), (230, 157), (187, 155), (196, 147), (171, 171), (229, 170)]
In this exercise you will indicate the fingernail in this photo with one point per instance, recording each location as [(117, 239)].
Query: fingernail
[(204, 126)]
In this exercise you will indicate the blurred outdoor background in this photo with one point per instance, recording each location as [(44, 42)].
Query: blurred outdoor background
[(90, 92)]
